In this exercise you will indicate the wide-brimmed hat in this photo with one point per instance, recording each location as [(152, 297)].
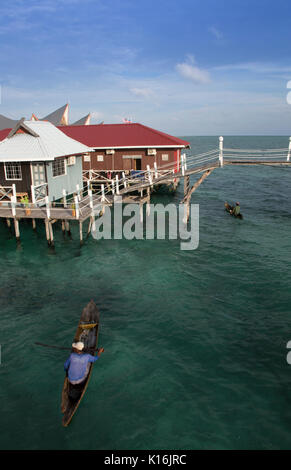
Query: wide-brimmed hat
[(78, 345)]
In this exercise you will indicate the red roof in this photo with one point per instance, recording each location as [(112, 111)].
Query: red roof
[(4, 133), (117, 135), (122, 135)]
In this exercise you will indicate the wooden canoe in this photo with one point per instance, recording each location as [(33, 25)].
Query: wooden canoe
[(229, 208), (87, 332)]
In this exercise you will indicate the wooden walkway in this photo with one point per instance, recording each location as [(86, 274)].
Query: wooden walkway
[(131, 191)]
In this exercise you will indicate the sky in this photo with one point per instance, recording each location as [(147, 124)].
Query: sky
[(185, 67)]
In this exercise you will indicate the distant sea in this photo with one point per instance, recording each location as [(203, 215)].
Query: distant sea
[(195, 341)]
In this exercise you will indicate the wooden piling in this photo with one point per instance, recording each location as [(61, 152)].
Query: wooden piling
[(67, 226), (63, 227), (47, 232), (148, 209), (33, 224), (81, 232), (16, 227), (8, 221), (186, 185), (51, 234)]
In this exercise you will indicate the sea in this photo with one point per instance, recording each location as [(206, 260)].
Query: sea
[(195, 340)]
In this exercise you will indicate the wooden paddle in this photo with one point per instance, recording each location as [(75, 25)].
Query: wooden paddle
[(60, 347)]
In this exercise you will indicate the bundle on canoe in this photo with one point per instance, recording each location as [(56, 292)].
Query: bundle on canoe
[(87, 333), (230, 210)]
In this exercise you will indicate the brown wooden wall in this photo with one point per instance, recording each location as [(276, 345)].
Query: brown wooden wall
[(23, 186), (116, 162)]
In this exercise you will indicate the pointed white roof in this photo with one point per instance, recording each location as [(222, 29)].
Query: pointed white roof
[(38, 141)]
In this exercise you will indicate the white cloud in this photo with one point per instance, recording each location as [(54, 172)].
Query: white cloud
[(216, 33), (142, 92), (192, 72)]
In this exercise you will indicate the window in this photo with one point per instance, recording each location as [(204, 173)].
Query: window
[(59, 167), (13, 171), (165, 156), (100, 158), (87, 158)]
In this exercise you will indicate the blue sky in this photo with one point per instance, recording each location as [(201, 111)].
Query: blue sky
[(187, 67)]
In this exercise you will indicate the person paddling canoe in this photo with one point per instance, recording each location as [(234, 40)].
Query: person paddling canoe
[(236, 210), (77, 365)]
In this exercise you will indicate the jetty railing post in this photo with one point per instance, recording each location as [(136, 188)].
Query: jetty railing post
[(77, 207), (65, 197), (289, 150), (47, 203), (103, 193), (156, 169), (32, 194), (124, 179), (14, 190), (13, 205), (78, 192), (221, 151), (91, 201), (149, 175), (183, 163), (117, 184), (113, 191)]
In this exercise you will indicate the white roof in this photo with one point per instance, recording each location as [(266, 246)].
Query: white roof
[(48, 145)]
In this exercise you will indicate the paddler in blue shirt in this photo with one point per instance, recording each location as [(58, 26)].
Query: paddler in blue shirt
[(78, 363)]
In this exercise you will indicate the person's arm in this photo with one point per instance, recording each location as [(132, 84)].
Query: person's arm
[(95, 358), (67, 363)]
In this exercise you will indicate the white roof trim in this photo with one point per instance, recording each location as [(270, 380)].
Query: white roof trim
[(141, 147)]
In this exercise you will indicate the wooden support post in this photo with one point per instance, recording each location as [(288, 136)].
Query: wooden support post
[(187, 195), (221, 151), (67, 225), (148, 201), (289, 150), (81, 232), (8, 221), (16, 227), (33, 224), (63, 227), (47, 232), (90, 226), (186, 185), (51, 233)]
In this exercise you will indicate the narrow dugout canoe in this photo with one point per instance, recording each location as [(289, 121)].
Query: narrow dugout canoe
[(87, 332)]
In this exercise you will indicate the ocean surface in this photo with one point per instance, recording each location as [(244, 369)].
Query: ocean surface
[(195, 341)]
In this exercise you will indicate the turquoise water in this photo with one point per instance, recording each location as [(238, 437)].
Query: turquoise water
[(195, 341)]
